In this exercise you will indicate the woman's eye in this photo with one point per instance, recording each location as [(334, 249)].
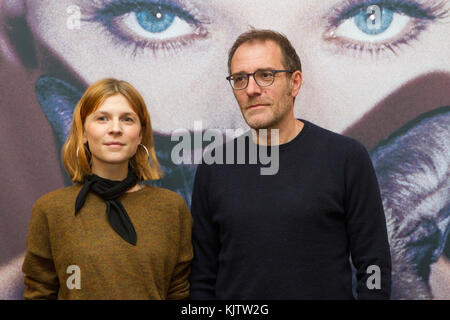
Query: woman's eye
[(375, 26), (151, 24), (128, 119), (101, 118)]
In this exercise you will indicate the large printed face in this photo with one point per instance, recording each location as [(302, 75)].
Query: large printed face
[(175, 53), (369, 67)]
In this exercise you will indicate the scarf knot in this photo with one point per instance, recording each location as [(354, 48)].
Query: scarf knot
[(110, 191)]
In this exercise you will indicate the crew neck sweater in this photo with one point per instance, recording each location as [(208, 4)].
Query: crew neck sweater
[(59, 242), (290, 235)]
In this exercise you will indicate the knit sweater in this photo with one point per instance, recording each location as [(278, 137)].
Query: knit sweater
[(290, 235), (59, 242)]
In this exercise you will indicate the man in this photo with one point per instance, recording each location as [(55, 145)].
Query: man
[(288, 235)]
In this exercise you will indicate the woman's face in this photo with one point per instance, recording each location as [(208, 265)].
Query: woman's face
[(113, 133), (354, 53)]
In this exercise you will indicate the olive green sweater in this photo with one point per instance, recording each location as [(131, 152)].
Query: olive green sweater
[(107, 266)]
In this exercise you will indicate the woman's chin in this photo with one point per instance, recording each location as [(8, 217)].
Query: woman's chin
[(440, 279)]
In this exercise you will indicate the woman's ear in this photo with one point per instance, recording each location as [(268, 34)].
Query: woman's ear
[(141, 134)]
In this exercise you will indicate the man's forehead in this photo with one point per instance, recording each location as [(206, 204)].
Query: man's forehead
[(256, 54)]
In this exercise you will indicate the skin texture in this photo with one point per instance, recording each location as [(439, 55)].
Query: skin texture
[(113, 133), (440, 279), (361, 87), (269, 107)]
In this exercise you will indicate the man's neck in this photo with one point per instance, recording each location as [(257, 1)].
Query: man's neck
[(279, 134)]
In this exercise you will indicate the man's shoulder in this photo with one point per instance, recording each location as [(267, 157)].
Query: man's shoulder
[(333, 140)]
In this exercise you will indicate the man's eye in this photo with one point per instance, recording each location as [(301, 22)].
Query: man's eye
[(150, 24), (266, 74), (374, 26), (239, 78)]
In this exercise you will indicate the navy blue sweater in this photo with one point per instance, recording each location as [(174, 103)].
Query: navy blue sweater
[(290, 235)]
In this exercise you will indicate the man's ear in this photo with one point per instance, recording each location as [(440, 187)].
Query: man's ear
[(296, 82)]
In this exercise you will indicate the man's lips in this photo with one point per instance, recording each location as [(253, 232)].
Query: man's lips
[(256, 106)]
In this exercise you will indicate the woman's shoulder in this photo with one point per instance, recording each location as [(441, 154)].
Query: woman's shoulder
[(161, 196), (162, 193), (59, 197)]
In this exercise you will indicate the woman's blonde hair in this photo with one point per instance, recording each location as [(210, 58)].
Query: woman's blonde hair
[(76, 156)]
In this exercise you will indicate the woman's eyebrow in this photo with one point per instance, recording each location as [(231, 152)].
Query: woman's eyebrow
[(122, 114), (129, 114)]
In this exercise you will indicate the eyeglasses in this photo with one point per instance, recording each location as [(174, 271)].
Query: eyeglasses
[(263, 78)]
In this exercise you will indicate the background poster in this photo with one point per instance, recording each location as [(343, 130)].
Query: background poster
[(375, 70)]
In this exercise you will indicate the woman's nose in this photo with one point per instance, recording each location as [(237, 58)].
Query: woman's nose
[(115, 127)]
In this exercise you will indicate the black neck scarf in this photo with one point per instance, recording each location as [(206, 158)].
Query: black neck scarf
[(110, 191)]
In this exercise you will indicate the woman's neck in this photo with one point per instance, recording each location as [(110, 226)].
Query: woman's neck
[(115, 172)]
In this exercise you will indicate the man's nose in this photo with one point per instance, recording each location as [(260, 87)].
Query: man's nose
[(252, 87)]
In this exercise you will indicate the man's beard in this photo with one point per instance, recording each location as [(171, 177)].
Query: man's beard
[(265, 123), (277, 113)]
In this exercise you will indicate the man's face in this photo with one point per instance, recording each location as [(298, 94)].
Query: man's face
[(263, 107)]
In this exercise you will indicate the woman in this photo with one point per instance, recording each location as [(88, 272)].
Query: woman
[(109, 236), (362, 79)]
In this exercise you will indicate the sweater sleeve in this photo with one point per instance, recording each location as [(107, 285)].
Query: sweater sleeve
[(41, 280), (179, 287), (366, 226), (205, 239)]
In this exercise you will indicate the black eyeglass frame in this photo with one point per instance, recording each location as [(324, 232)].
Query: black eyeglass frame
[(230, 77)]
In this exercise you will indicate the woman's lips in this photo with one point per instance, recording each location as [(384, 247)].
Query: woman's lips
[(114, 144)]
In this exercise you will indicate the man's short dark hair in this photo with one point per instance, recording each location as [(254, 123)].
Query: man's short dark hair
[(291, 60)]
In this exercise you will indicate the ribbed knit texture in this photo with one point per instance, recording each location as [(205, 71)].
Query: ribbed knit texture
[(290, 235)]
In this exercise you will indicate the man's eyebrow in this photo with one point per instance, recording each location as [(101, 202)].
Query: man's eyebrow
[(244, 72), (240, 72)]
